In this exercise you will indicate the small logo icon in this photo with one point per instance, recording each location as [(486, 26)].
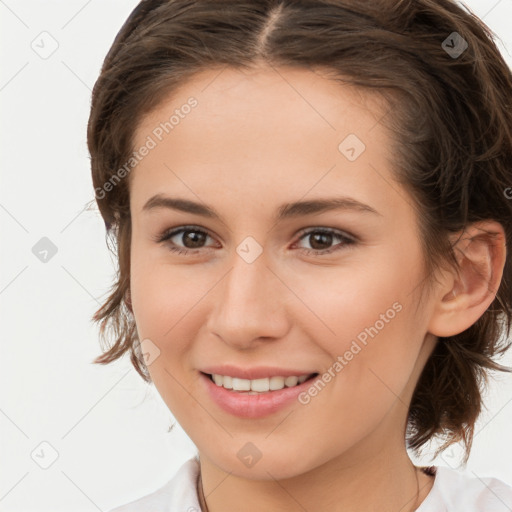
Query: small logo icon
[(452, 456), (249, 249), (149, 352), (44, 455), (454, 45), (249, 454), (45, 45), (351, 147), (44, 250)]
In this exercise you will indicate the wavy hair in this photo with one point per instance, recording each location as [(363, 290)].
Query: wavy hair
[(448, 93)]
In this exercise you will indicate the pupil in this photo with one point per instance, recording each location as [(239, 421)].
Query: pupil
[(325, 237), (195, 237)]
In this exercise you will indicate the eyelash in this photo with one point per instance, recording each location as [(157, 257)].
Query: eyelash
[(347, 242)]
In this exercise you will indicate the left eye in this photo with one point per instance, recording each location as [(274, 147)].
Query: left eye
[(321, 236), (193, 238)]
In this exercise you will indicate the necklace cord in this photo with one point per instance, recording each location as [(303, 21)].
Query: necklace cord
[(204, 506)]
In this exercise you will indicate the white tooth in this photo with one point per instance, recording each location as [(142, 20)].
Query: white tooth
[(290, 381), (276, 383), (256, 386), (241, 384), (260, 385)]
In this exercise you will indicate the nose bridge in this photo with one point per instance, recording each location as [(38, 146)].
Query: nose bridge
[(247, 289), (248, 305)]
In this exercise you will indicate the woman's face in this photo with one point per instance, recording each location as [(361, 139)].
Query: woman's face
[(278, 280)]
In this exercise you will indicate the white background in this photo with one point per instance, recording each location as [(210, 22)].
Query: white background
[(109, 428)]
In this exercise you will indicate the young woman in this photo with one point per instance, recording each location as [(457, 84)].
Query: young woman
[(311, 203)]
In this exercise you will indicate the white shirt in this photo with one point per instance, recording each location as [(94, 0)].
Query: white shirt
[(453, 491)]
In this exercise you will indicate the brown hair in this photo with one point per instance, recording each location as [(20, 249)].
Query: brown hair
[(450, 114)]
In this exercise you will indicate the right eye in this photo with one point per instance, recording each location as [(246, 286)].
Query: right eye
[(191, 235)]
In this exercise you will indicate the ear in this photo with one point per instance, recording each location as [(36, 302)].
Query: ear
[(464, 296)]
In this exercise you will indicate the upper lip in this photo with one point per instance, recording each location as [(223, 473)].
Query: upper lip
[(255, 372)]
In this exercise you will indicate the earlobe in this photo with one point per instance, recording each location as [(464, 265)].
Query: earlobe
[(465, 296)]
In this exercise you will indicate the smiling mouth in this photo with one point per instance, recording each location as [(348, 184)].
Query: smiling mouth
[(258, 386)]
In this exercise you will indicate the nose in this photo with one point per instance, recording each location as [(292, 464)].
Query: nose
[(250, 305)]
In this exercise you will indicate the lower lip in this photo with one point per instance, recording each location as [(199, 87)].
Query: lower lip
[(253, 406)]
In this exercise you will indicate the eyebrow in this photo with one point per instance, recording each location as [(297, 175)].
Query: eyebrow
[(285, 211)]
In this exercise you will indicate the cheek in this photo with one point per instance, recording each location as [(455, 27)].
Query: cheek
[(167, 311), (164, 297), (373, 333), (169, 304), (367, 382), (359, 300)]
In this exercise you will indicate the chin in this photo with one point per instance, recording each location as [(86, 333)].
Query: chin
[(279, 465)]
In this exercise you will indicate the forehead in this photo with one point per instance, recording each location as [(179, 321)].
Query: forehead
[(267, 131), (270, 94)]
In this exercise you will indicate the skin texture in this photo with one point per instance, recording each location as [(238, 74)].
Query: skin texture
[(254, 141)]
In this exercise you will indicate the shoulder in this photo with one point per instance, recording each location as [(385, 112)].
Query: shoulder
[(177, 494), (465, 491)]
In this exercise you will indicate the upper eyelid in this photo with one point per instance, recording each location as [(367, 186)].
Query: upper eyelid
[(168, 233)]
